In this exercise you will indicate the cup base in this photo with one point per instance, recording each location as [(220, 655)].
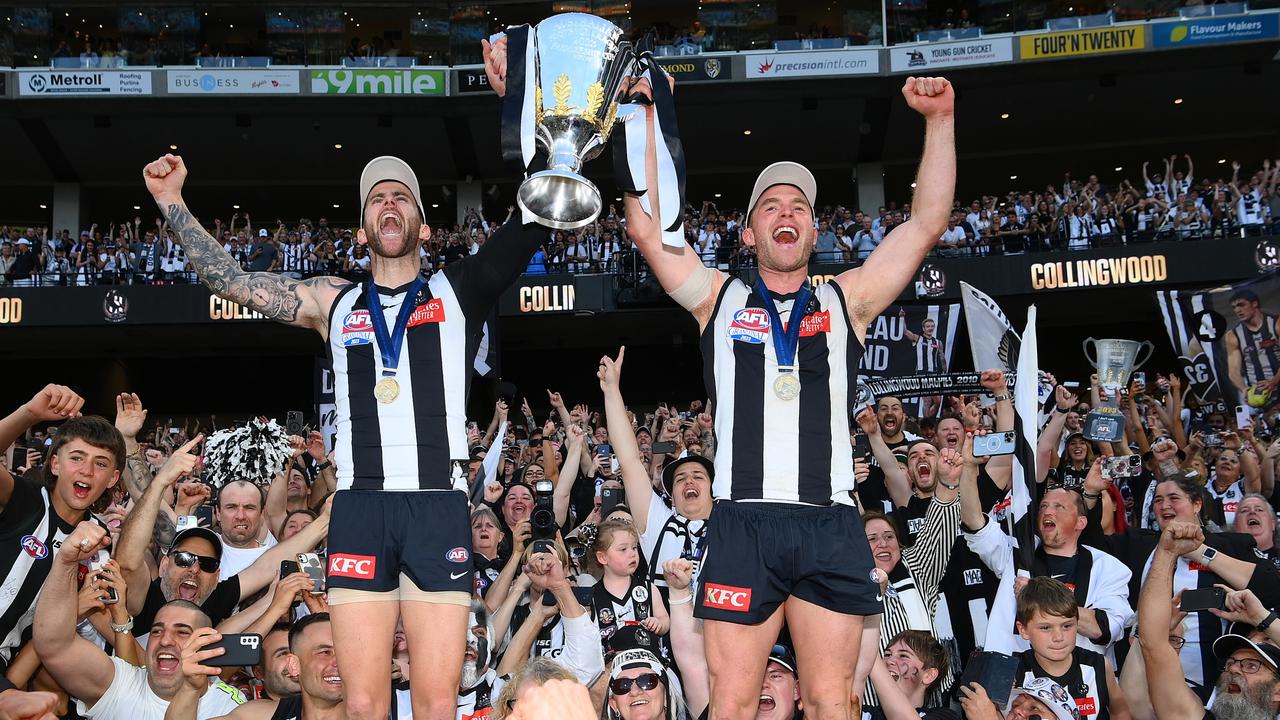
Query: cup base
[(560, 199)]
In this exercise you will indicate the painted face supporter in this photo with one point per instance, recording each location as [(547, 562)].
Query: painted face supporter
[(912, 666)]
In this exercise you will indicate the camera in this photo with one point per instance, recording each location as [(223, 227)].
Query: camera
[(1121, 466), (543, 519)]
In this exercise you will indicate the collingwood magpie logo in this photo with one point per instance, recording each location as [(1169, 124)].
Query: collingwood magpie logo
[(1267, 255), (115, 306), (933, 281)]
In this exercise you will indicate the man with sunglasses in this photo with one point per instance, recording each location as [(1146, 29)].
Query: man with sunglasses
[(109, 688), (189, 568), (1249, 686)]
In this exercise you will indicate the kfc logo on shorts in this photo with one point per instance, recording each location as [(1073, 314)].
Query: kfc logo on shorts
[(360, 567), (457, 555), (727, 597), (750, 325), (33, 547)]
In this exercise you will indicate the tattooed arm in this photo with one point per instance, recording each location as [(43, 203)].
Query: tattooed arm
[(301, 303)]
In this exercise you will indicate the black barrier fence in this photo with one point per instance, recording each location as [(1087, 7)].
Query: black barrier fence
[(1153, 265)]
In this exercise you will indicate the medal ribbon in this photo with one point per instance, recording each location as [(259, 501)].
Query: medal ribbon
[(389, 345), (785, 344)]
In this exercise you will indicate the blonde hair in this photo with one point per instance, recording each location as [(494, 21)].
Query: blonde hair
[(539, 671)]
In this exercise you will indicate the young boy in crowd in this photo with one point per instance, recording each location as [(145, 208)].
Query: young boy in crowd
[(1047, 618)]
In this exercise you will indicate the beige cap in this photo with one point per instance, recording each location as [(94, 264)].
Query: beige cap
[(784, 173), (388, 167)]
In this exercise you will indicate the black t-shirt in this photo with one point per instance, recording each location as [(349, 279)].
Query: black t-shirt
[(910, 518), (218, 606), (1062, 568)]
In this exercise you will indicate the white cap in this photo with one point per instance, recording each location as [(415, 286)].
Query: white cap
[(388, 167), (784, 173), (1053, 695), (23, 241), (263, 233)]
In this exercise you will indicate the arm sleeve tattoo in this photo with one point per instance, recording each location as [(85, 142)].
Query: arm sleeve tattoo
[(275, 296)]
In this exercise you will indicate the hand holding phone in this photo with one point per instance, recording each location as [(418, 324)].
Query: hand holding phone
[(1214, 598), (240, 650), (313, 566)]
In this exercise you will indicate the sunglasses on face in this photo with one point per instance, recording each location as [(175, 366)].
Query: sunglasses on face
[(622, 686), (184, 559)]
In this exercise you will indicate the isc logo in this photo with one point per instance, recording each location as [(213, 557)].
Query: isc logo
[(361, 567)]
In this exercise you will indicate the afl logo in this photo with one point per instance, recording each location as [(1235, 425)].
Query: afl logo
[(357, 321), (1267, 255), (932, 282), (115, 306), (33, 547), (750, 325), (457, 555)]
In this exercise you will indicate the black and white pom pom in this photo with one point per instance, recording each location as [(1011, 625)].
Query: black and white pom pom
[(255, 451)]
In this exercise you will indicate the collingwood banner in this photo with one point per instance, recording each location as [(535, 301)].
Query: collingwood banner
[(912, 342), (1228, 342), (965, 383)]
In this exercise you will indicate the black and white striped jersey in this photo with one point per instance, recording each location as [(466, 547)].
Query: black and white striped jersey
[(418, 441), (30, 534), (772, 449), (1259, 350)]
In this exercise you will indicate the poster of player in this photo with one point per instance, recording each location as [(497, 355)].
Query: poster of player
[(911, 341), (1228, 342)]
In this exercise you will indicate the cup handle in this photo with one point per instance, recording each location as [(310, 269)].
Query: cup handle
[(1149, 347), (1092, 358)]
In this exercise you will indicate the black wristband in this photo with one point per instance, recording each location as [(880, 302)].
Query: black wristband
[(324, 465), (1058, 409), (1266, 621)]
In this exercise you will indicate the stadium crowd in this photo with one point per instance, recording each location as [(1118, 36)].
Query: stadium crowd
[(130, 551), (1173, 203)]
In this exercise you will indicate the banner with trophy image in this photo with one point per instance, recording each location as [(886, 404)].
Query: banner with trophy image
[(908, 350), (1228, 342)]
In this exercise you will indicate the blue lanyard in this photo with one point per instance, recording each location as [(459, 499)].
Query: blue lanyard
[(389, 345), (785, 343)]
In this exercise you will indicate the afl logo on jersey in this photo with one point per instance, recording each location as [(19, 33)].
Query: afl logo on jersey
[(33, 547), (750, 325), (458, 555), (639, 593), (357, 329)]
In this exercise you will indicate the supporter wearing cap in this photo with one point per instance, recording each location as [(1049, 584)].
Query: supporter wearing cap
[(640, 688), (109, 688), (666, 533), (1040, 698), (1249, 685), (189, 569), (780, 694)]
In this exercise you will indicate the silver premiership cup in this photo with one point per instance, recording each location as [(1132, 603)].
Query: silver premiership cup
[(581, 62), (1115, 360)]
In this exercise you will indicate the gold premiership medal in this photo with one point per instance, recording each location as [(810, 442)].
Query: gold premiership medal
[(387, 390), (786, 386)]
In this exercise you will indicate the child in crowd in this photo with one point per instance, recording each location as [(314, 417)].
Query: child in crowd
[(1047, 618)]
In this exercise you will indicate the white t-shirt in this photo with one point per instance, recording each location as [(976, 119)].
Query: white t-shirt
[(236, 559), (130, 698)]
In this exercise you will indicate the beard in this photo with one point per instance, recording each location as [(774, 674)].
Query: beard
[(1252, 704), (408, 236), (470, 675)]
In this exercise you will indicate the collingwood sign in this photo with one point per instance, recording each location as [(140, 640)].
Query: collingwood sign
[(1099, 272)]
